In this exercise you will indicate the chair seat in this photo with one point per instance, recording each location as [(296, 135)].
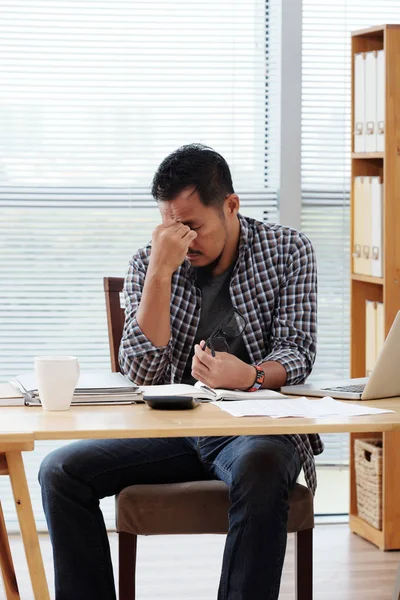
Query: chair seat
[(193, 507)]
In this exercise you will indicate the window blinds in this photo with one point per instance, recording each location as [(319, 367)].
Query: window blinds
[(93, 95), (325, 153)]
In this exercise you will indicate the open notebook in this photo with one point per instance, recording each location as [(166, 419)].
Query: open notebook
[(202, 392)]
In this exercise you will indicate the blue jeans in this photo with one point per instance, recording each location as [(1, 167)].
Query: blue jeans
[(259, 470)]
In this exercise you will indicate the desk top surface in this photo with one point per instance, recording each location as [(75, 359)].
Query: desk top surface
[(207, 420)]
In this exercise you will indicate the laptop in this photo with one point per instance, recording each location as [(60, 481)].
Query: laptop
[(384, 381)]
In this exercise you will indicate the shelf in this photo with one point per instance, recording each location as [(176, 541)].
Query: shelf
[(367, 531), (386, 166), (367, 155), (367, 279), (378, 30)]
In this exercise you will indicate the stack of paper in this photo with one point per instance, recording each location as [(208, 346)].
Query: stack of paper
[(97, 387), (297, 407), (10, 395)]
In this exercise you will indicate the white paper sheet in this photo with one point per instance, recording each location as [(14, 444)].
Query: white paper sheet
[(297, 407)]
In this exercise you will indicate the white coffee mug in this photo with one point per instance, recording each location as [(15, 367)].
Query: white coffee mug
[(56, 380)]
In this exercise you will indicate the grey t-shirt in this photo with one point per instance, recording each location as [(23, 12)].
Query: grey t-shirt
[(216, 307)]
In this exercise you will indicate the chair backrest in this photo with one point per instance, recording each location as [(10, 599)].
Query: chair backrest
[(113, 286)]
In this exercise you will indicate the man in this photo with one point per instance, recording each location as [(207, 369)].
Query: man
[(229, 301)]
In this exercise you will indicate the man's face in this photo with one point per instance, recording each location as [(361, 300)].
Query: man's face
[(208, 222)]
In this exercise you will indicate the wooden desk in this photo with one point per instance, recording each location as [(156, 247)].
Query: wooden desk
[(139, 421), (24, 425)]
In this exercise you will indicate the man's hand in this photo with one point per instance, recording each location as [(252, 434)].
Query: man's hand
[(170, 243), (222, 370)]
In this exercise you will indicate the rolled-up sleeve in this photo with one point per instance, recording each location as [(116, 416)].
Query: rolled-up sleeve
[(139, 359), (294, 324)]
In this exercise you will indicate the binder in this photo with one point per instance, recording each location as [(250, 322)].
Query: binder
[(370, 101), (366, 234), (370, 337), (359, 102), (376, 227), (380, 328), (358, 224), (380, 101)]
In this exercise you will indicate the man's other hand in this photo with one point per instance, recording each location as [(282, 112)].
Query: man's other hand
[(223, 370)]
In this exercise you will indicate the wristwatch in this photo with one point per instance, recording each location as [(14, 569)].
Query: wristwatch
[(258, 381)]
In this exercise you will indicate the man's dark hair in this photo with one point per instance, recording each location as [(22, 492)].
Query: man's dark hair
[(193, 165)]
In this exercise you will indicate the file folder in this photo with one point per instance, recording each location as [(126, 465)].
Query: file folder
[(359, 102), (358, 224), (380, 101), (380, 328), (370, 337), (376, 227), (366, 234), (370, 101)]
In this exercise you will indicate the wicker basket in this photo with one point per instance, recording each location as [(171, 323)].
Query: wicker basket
[(368, 462)]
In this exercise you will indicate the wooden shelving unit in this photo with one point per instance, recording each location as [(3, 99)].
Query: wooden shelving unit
[(367, 279), (387, 289), (364, 155)]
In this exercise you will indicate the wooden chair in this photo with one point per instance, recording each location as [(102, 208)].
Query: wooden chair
[(192, 507)]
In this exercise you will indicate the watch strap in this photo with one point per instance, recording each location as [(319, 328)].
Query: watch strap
[(259, 380)]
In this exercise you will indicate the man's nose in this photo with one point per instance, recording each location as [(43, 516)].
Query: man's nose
[(193, 246)]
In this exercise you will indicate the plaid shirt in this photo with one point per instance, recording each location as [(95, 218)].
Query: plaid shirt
[(274, 286)]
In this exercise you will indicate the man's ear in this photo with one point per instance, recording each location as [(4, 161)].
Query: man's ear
[(232, 203)]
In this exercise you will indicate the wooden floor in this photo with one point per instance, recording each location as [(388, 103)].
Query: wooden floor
[(187, 567)]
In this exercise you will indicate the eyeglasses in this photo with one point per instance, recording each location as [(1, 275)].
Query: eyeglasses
[(231, 327)]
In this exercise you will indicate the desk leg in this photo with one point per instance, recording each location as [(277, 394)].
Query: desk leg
[(27, 524), (6, 562)]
